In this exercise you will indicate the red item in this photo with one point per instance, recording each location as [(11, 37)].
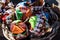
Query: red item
[(4, 18)]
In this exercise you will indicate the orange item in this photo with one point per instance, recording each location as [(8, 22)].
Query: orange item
[(17, 30)]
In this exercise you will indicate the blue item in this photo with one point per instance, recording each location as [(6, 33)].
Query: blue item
[(47, 15)]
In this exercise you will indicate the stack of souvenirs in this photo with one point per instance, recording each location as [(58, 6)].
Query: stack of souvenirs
[(26, 18)]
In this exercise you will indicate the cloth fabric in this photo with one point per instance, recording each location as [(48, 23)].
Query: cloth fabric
[(33, 21), (18, 29), (19, 14)]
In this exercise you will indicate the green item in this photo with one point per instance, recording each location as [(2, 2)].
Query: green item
[(33, 21), (19, 14)]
